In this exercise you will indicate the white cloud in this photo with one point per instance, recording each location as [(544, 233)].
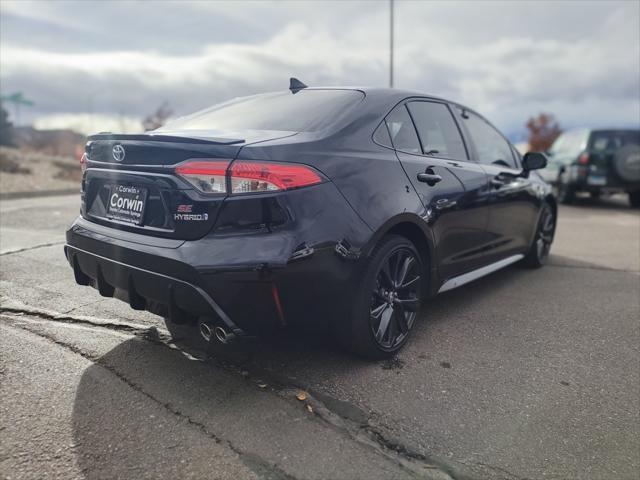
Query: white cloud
[(507, 59), (39, 10)]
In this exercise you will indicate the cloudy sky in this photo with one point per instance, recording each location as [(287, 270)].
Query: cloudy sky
[(104, 65)]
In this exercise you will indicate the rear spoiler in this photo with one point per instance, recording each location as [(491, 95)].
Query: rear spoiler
[(150, 137)]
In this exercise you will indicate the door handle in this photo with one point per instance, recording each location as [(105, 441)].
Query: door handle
[(499, 180), (429, 177)]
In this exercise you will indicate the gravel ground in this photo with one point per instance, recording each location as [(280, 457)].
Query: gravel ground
[(32, 172)]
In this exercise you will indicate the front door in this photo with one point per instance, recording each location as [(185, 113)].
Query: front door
[(514, 202), (451, 189)]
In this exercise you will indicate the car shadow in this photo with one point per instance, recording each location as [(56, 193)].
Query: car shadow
[(143, 410), (118, 431)]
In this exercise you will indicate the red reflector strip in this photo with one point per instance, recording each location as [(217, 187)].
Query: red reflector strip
[(203, 167), (283, 176), (276, 300)]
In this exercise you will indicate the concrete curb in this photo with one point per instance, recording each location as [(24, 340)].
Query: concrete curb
[(38, 193)]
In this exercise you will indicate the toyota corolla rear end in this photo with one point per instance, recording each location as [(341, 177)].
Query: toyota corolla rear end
[(203, 221)]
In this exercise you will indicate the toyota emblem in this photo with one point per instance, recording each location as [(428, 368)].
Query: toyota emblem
[(118, 152)]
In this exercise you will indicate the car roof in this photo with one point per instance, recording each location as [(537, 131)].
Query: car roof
[(599, 130), (395, 95), (607, 130), (384, 92)]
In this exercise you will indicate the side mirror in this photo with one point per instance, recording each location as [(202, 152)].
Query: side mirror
[(534, 161)]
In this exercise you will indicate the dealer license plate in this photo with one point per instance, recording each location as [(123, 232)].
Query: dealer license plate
[(126, 204)]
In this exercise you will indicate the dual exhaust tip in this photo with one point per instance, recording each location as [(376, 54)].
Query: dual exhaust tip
[(210, 333)]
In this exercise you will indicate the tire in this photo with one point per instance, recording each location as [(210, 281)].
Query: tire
[(384, 313), (538, 253), (634, 199), (626, 163)]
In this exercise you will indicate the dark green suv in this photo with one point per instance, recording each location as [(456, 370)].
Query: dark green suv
[(595, 161)]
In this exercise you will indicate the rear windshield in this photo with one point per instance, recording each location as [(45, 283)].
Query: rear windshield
[(614, 139), (305, 111)]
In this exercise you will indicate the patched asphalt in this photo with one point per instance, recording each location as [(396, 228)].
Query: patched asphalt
[(522, 374)]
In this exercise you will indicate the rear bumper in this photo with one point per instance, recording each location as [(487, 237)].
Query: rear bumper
[(144, 289), (583, 178), (249, 284), (590, 184)]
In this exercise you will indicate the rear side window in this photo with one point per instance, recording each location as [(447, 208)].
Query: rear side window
[(437, 130), (492, 148), (611, 140), (305, 111), (381, 136), (402, 132)]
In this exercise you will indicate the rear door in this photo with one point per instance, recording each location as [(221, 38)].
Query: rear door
[(514, 202), (452, 190)]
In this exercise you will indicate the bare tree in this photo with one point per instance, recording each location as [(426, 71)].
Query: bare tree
[(543, 131), (6, 128), (157, 118)]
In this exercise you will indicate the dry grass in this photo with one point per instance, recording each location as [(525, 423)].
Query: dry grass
[(26, 172)]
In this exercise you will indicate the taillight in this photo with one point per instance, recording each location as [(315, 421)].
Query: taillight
[(83, 162), (583, 159), (208, 176), (246, 176), (249, 177)]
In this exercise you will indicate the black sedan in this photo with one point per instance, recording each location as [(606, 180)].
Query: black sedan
[(345, 208)]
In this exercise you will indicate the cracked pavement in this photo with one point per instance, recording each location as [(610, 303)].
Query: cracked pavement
[(523, 374)]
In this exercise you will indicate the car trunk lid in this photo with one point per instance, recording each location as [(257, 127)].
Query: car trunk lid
[(130, 183)]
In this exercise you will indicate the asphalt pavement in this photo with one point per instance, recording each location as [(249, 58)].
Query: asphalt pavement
[(522, 374)]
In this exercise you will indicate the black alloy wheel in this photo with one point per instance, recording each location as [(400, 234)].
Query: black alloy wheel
[(390, 295), (395, 298), (539, 251)]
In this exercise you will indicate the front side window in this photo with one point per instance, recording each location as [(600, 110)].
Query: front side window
[(402, 132), (438, 132), (491, 147), (381, 136)]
